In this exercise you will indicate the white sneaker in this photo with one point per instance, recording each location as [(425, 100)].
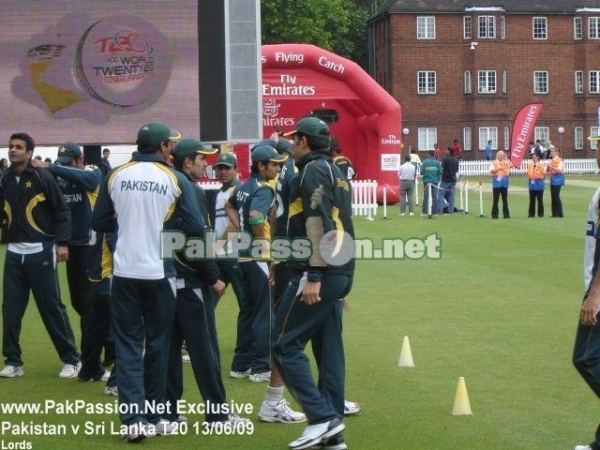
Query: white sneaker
[(234, 419), (281, 413), (10, 371), (351, 408), (411, 214), (164, 427), (234, 374), (185, 358), (315, 434), (401, 214), (70, 371), (582, 447), (111, 390), (260, 377), (137, 432)]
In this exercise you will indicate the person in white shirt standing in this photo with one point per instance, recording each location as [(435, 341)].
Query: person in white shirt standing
[(407, 175)]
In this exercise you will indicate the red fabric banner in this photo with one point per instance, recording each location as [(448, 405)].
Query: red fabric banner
[(522, 130)]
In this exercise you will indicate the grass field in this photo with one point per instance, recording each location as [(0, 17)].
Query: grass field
[(499, 308)]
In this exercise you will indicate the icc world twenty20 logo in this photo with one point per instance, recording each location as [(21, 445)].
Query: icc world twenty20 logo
[(116, 65)]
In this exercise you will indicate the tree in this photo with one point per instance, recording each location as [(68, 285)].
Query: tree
[(335, 25)]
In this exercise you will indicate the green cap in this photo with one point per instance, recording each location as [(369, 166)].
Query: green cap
[(151, 135), (191, 146), (265, 153), (310, 126), (174, 136), (226, 159), (67, 152)]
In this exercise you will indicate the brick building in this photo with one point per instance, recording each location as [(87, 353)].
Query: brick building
[(463, 69)]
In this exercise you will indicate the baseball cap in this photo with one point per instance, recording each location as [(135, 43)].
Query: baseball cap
[(191, 146), (174, 136), (281, 145), (151, 135), (226, 159), (67, 152), (264, 153), (310, 126)]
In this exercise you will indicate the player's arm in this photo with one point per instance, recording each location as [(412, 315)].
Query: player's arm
[(89, 178), (103, 215)]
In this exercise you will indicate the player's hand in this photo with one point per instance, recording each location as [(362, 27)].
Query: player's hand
[(310, 293), (219, 288), (589, 312), (62, 253)]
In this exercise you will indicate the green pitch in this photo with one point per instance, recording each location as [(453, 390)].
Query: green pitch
[(499, 308)]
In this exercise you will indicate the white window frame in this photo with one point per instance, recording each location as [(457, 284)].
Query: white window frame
[(504, 82), (578, 79), (578, 138), (539, 28), (467, 27), (425, 27), (577, 28), (426, 137), (594, 81), (486, 27), (467, 139), (468, 82), (593, 27), (502, 27), (543, 134), (541, 78), (506, 138), (486, 134), (593, 132), (486, 76), (424, 79)]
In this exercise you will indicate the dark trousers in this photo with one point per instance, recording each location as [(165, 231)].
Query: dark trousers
[(36, 273), (195, 323), (254, 324), (97, 326), (230, 269), (496, 194), (142, 314), (282, 277), (586, 358), (556, 202), (536, 196), (321, 323), (81, 292)]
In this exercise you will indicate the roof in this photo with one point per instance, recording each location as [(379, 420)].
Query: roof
[(507, 6)]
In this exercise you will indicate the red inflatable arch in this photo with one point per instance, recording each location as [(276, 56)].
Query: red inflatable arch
[(299, 80)]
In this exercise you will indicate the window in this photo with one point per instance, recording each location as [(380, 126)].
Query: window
[(467, 139), (468, 82), (578, 138), (426, 82), (467, 27), (502, 27), (593, 27), (506, 138), (540, 82), (540, 28), (593, 132), (542, 133), (487, 27), (594, 82), (487, 82), (427, 137), (486, 134), (425, 27), (577, 29), (579, 82), (504, 82)]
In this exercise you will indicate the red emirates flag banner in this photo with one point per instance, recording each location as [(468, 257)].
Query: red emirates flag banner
[(522, 130)]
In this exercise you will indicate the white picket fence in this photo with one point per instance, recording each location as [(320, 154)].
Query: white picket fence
[(572, 166), (364, 196)]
